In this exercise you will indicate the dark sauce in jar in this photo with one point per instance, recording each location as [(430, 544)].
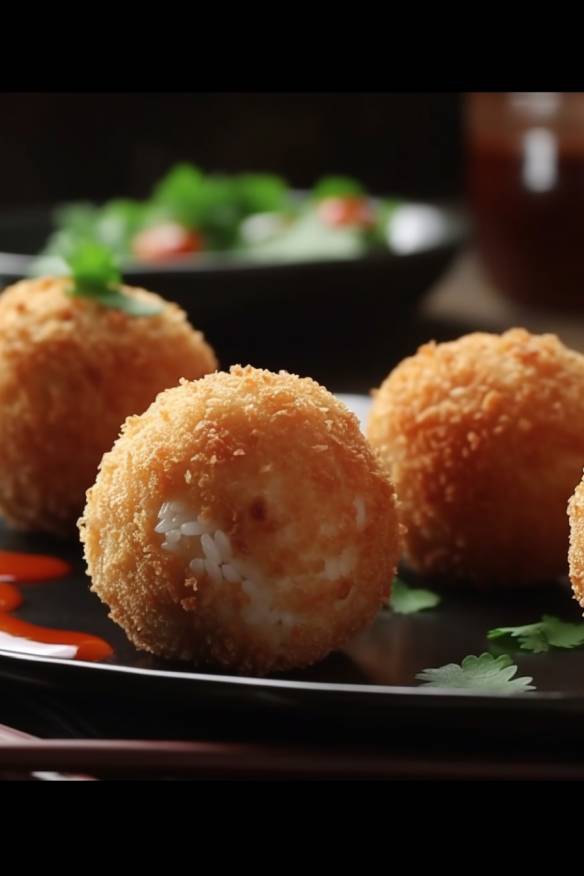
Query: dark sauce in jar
[(526, 190)]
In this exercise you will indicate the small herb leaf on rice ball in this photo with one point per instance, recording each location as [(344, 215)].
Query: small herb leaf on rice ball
[(77, 356), (242, 521)]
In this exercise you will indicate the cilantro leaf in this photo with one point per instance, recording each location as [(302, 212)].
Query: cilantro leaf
[(179, 194), (219, 211), (483, 673), (530, 637), (96, 275), (562, 634), (541, 636), (132, 306), (92, 267), (336, 186), (408, 600), (204, 203), (262, 193)]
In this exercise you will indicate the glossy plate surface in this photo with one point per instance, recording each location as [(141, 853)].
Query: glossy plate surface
[(374, 679)]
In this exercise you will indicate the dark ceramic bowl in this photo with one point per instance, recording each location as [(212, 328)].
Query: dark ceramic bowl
[(286, 314)]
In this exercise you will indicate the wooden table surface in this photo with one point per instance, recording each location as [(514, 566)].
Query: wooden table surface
[(465, 300)]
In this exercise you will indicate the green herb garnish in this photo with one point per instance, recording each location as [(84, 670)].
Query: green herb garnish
[(96, 275), (409, 600), (216, 204), (549, 632), (179, 195), (217, 207), (337, 187), (262, 193), (485, 673)]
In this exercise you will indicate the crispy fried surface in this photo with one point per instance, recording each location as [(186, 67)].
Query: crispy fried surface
[(576, 552), (274, 461), (485, 440), (71, 371)]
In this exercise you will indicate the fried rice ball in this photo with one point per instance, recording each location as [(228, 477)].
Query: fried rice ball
[(484, 437), (71, 371), (242, 521)]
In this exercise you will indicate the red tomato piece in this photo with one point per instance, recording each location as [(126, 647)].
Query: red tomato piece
[(346, 210), (167, 242)]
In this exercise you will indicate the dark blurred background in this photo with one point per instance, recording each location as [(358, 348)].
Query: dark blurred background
[(57, 147), (64, 147)]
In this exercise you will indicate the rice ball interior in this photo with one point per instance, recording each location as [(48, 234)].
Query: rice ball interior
[(242, 521)]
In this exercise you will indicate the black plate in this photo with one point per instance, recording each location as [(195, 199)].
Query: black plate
[(373, 682), (282, 314)]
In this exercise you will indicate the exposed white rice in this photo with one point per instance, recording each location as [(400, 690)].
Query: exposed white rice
[(214, 572), (230, 573), (208, 553), (223, 545), (210, 549), (197, 566), (192, 527), (164, 526)]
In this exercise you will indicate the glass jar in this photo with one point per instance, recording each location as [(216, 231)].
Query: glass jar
[(525, 177)]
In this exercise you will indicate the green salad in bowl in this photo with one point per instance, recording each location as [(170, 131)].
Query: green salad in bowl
[(191, 215)]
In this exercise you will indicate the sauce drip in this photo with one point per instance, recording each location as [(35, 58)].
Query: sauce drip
[(88, 647), (31, 567), (10, 597), (28, 568)]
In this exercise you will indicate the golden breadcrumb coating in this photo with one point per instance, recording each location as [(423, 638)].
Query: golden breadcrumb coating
[(485, 440), (576, 551), (71, 371), (278, 474)]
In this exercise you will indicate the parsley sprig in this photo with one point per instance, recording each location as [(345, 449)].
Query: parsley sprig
[(95, 275), (484, 673), (337, 187), (549, 632), (409, 600)]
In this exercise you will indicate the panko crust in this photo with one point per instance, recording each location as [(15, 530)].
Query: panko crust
[(71, 371), (576, 551), (484, 437), (276, 462)]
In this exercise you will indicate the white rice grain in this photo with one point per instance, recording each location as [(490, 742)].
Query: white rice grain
[(197, 566), (213, 570), (230, 573), (191, 527), (210, 549), (223, 545)]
